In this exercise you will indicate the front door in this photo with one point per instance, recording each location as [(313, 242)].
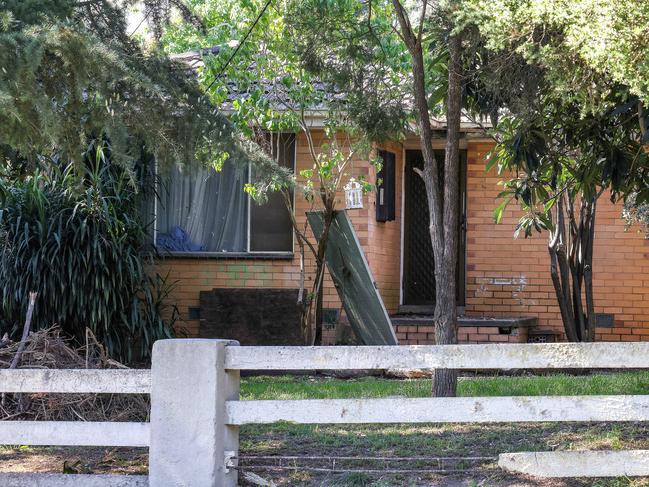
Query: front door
[(418, 263)]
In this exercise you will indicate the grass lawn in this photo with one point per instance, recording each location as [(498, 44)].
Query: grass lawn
[(463, 454), (463, 442), (289, 387)]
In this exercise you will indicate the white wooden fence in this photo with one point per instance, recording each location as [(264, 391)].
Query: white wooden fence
[(193, 434)]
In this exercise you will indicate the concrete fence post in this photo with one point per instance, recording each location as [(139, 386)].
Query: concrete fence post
[(190, 442)]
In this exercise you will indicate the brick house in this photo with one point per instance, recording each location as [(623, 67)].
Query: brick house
[(505, 292)]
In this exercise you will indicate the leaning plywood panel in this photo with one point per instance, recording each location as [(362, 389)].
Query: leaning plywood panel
[(354, 281)]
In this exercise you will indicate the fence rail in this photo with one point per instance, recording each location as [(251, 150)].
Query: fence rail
[(193, 435), (74, 433), (462, 357), (117, 381), (528, 409)]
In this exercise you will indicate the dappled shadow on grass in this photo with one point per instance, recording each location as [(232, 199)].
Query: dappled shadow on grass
[(440, 440), (431, 440)]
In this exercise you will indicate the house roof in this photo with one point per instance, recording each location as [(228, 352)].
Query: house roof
[(277, 93), (275, 90)]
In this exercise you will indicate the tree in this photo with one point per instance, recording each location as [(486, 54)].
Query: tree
[(570, 136), (253, 70), (607, 38), (322, 185), (71, 71), (398, 62), (388, 64), (442, 197), (562, 165)]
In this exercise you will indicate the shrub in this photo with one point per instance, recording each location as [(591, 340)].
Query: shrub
[(77, 237)]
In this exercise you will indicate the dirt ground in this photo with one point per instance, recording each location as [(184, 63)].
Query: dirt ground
[(388, 455), (134, 461)]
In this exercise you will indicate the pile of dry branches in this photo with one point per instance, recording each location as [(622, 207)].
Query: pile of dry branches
[(48, 349)]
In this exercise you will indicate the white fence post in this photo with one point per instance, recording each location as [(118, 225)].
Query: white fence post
[(189, 437)]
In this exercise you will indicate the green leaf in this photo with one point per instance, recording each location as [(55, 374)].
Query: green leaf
[(500, 209)]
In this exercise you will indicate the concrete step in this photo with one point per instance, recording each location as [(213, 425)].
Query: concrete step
[(500, 321)]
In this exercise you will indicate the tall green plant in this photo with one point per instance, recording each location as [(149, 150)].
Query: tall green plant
[(77, 237)]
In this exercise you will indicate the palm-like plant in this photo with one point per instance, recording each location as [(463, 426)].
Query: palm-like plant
[(78, 238)]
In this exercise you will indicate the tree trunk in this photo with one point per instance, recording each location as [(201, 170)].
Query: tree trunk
[(560, 278), (571, 262), (317, 340), (310, 311), (445, 381), (315, 314), (588, 273), (311, 303), (442, 204)]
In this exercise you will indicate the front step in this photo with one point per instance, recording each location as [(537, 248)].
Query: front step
[(420, 330), (502, 322)]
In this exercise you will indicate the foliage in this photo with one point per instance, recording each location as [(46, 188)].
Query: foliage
[(399, 64), (263, 83), (272, 80), (559, 166), (363, 58), (69, 73), (637, 214), (550, 152), (70, 70), (577, 42), (75, 237), (263, 69), (578, 117)]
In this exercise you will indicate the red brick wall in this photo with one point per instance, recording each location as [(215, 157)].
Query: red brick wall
[(505, 277), (508, 277), (383, 250)]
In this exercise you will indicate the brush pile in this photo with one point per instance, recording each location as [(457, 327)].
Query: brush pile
[(48, 349)]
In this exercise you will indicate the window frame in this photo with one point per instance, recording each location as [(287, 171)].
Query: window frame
[(247, 254)]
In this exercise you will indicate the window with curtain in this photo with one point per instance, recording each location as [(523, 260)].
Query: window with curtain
[(270, 224), (202, 210)]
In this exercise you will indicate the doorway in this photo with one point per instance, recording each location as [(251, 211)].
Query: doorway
[(418, 262)]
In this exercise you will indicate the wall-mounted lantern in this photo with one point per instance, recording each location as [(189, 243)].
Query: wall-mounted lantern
[(353, 194)]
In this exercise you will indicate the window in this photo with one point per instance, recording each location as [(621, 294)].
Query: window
[(271, 229), (201, 210)]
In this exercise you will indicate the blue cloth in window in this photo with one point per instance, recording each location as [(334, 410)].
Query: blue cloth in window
[(210, 207), (178, 241)]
